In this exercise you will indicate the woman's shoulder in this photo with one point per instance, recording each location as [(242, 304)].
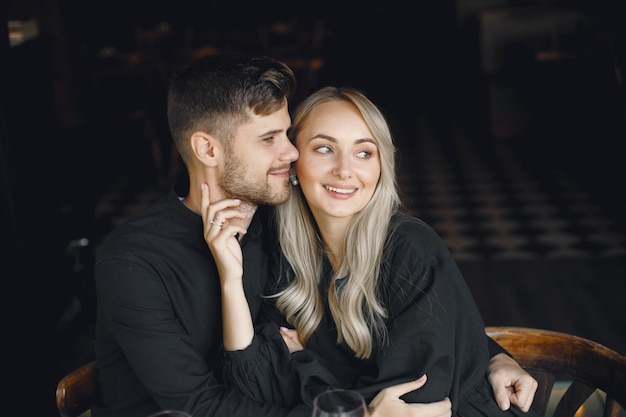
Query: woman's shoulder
[(410, 231), (403, 221)]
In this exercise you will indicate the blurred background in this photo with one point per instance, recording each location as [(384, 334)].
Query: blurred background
[(509, 118)]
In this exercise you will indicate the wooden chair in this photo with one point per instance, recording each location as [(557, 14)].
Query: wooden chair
[(553, 356), (76, 391), (547, 355)]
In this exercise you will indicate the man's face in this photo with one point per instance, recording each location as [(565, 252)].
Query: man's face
[(258, 162)]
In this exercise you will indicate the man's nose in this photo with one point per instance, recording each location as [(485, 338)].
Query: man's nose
[(289, 152)]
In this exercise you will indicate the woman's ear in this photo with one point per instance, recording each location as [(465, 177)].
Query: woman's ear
[(206, 148)]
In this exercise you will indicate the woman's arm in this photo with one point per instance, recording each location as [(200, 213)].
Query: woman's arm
[(221, 237), (255, 362)]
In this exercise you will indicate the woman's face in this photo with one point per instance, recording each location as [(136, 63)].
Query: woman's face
[(339, 163)]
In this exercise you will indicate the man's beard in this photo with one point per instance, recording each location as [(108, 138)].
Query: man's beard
[(254, 189)]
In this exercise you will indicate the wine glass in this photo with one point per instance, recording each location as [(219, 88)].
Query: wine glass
[(170, 413), (339, 403)]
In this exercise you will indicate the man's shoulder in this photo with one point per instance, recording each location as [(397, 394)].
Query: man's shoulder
[(152, 226)]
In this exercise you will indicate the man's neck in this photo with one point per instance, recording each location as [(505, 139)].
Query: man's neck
[(193, 202)]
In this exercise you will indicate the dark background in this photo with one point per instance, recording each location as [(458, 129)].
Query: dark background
[(82, 108)]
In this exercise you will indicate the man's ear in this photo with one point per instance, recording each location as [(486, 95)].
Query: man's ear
[(206, 148)]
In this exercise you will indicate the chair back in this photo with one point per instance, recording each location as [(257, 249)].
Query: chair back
[(76, 391), (553, 356), (548, 356)]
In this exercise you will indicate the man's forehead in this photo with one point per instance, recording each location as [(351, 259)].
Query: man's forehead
[(264, 125)]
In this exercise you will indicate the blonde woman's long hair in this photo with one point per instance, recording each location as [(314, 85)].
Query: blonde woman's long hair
[(352, 295)]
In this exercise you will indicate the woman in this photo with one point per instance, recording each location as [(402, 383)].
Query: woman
[(374, 294)]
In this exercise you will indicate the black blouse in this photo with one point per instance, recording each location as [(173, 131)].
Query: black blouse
[(434, 327)]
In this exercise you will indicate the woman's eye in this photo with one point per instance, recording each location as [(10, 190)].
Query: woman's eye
[(323, 149), (364, 154)]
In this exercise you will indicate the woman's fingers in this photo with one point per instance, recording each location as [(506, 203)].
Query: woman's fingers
[(292, 339), (217, 216), (220, 232)]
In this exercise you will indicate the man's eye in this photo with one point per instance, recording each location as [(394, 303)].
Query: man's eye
[(269, 139)]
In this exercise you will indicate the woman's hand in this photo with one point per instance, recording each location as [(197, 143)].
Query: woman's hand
[(292, 339), (388, 403), (220, 235)]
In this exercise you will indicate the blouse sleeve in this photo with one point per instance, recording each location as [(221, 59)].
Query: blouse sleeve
[(267, 372), (262, 371), (434, 326)]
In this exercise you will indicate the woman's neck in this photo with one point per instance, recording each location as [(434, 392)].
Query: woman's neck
[(333, 236)]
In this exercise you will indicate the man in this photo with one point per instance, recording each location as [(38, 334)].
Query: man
[(158, 330)]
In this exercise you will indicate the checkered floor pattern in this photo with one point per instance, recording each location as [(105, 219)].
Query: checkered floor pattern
[(487, 204)]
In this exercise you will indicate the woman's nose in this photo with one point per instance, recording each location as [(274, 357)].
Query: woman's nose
[(343, 169)]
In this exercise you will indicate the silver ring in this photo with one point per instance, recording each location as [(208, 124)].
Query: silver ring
[(219, 223)]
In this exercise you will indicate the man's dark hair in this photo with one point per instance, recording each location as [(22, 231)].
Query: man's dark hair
[(216, 93)]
